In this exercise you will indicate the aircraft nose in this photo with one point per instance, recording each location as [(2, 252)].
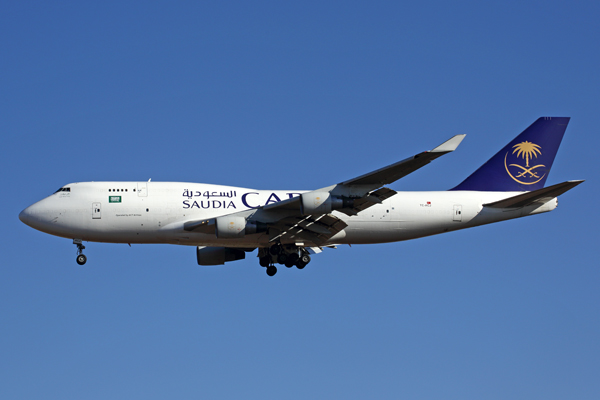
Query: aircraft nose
[(43, 216), (35, 215), (26, 216)]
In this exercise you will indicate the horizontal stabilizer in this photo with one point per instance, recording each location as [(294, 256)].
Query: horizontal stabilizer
[(537, 196)]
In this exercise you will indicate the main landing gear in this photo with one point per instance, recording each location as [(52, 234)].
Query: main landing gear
[(284, 255), (81, 258)]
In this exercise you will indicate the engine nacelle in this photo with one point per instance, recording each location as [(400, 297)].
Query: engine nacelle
[(323, 203), (230, 227), (218, 255), (316, 203)]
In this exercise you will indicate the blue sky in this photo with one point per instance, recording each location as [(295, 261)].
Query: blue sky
[(297, 96)]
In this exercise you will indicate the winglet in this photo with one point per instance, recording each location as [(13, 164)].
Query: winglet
[(391, 173), (449, 145)]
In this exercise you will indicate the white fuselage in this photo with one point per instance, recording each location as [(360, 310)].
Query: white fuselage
[(154, 212)]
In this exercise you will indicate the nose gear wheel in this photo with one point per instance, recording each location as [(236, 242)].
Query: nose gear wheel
[(81, 258)]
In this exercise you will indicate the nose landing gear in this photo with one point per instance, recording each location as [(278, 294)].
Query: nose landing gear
[(81, 258)]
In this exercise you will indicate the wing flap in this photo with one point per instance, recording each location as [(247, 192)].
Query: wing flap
[(371, 199), (315, 229)]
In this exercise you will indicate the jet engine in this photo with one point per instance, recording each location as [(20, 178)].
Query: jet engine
[(323, 203), (218, 255), (235, 227), (230, 227)]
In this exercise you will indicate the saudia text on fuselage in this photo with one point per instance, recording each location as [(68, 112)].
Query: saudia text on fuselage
[(213, 199)]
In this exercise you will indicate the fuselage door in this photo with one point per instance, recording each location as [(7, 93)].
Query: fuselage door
[(142, 189), (96, 211), (457, 216)]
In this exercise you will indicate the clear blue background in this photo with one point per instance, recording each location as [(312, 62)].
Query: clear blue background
[(298, 96)]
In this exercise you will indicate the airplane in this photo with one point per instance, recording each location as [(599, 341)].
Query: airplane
[(287, 226)]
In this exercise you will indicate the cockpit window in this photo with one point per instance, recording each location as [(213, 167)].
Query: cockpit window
[(63, 189)]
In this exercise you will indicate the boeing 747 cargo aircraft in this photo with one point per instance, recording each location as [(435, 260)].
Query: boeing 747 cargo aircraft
[(224, 222)]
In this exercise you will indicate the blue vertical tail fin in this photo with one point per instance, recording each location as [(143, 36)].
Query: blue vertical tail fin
[(524, 164)]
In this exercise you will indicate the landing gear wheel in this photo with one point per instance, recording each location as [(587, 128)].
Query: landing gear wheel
[(275, 249), (81, 259), (289, 263), (264, 261), (271, 270), (302, 261), (282, 258)]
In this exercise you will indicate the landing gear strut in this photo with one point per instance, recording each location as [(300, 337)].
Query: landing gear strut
[(81, 258)]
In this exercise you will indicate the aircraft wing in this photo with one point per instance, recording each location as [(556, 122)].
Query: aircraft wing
[(392, 173), (284, 227), (307, 230), (307, 219)]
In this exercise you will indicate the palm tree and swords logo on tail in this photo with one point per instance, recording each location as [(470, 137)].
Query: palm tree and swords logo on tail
[(525, 175)]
